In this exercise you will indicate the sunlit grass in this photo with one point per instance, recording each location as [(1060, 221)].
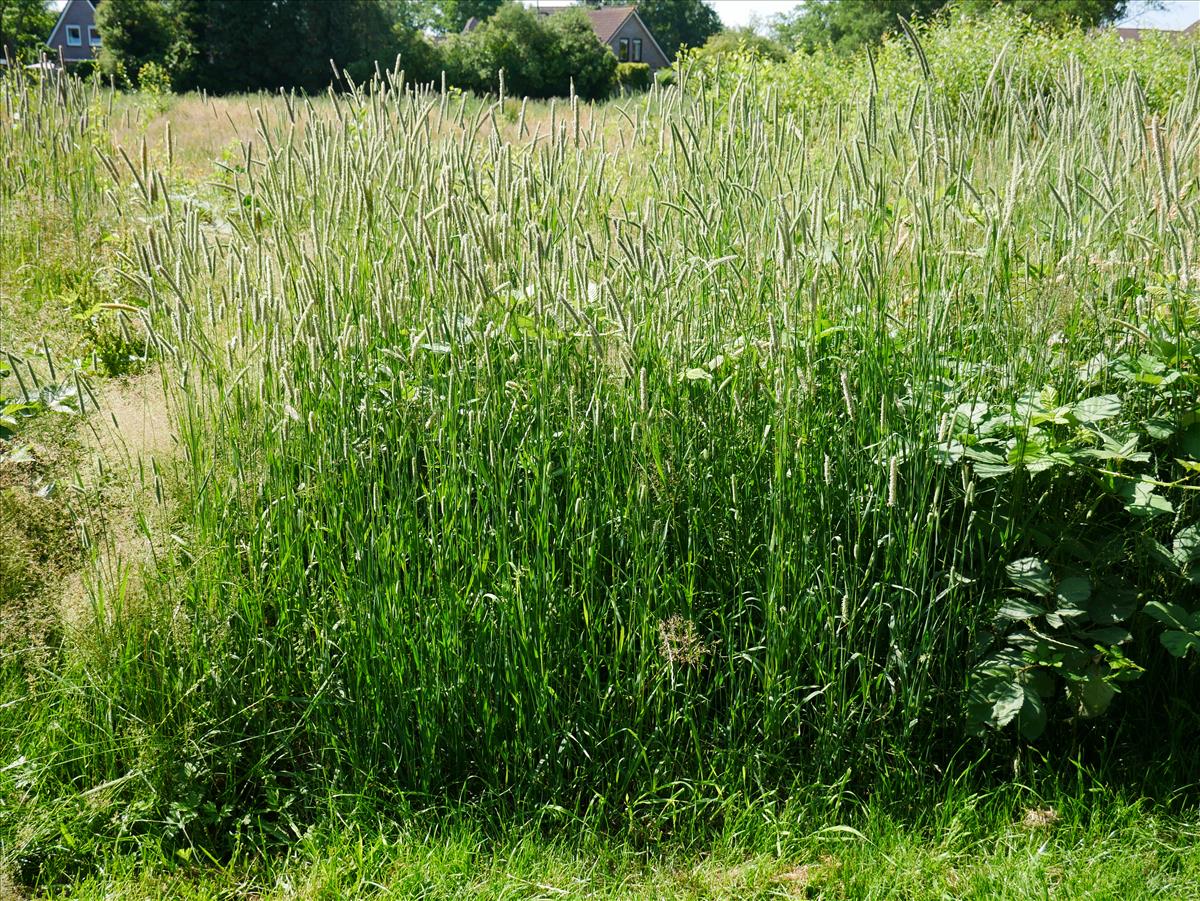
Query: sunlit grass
[(579, 464)]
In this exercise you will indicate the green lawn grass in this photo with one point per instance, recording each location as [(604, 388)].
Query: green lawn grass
[(969, 849)]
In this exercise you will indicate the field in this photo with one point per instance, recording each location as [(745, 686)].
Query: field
[(692, 495)]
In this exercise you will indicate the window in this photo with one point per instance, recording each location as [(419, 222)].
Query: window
[(74, 36), (93, 36), (623, 50), (637, 50)]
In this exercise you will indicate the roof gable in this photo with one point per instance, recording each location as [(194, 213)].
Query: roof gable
[(62, 15), (607, 20)]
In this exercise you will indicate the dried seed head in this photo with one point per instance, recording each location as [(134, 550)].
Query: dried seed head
[(679, 642), (846, 396)]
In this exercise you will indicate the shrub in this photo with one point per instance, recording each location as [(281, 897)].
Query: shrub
[(634, 76), (578, 56), (154, 80), (961, 52), (539, 57), (85, 68), (134, 33), (745, 41)]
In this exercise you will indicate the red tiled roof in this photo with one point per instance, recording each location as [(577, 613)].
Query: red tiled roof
[(607, 19)]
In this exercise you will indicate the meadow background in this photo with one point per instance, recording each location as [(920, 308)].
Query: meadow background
[(779, 483)]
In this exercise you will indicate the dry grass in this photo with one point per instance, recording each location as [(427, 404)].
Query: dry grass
[(205, 130)]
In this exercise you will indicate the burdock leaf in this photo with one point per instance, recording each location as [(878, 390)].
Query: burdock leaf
[(1111, 605), (1170, 614), (1016, 609), (1074, 590), (1095, 695), (1142, 499), (1097, 409), (1186, 546), (1179, 643), (1030, 574)]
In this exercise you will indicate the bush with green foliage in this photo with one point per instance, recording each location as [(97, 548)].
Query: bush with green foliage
[(744, 41), (24, 27), (634, 76), (538, 56), (957, 58), (577, 57), (134, 33), (845, 27), (153, 79)]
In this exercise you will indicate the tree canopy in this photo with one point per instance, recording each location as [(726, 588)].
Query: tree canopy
[(134, 33), (248, 45), (540, 56), (847, 26), (24, 27)]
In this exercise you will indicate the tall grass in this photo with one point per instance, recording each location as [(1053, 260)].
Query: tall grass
[(591, 469)]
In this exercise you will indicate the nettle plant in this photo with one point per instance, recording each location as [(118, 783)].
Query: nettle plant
[(1105, 486)]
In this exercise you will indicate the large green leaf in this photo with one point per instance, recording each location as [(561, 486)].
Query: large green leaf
[(1186, 547), (1074, 590), (1179, 643), (995, 695), (1032, 718), (1189, 441), (1097, 409), (1094, 695), (1016, 609), (1111, 605), (1007, 703), (1030, 574), (1142, 499), (1172, 615), (1105, 636)]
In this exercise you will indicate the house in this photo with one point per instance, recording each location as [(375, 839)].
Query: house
[(619, 27), (75, 35), (622, 29)]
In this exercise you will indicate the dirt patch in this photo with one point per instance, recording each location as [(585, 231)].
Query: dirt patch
[(131, 444)]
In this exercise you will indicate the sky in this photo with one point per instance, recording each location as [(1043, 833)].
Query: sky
[(1175, 14)]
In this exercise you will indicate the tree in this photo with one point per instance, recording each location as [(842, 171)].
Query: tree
[(187, 21), (847, 26), (743, 40), (252, 45), (1057, 13), (132, 33), (451, 16), (514, 40), (674, 23), (578, 56), (539, 55), (24, 27)]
